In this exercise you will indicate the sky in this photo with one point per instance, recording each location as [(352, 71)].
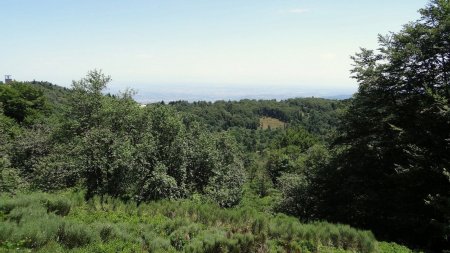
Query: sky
[(197, 47)]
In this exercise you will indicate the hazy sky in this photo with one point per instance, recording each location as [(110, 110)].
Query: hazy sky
[(301, 43)]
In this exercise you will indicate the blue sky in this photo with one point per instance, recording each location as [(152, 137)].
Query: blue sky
[(199, 43)]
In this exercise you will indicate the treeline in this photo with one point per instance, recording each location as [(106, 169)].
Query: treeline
[(241, 119), (316, 115)]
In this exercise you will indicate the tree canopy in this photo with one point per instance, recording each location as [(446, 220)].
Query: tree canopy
[(391, 172)]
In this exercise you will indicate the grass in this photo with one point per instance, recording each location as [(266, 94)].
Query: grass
[(271, 123), (41, 222)]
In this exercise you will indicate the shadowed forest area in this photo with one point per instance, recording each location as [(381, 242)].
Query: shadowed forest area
[(83, 170)]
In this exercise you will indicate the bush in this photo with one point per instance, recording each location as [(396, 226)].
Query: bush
[(216, 241), (226, 187), (74, 235), (10, 180), (51, 247), (111, 246), (107, 231), (167, 226), (36, 232), (27, 213), (7, 203), (159, 244), (183, 235), (7, 228), (386, 247), (59, 205), (322, 234)]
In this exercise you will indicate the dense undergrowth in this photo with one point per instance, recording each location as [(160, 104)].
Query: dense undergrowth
[(41, 222)]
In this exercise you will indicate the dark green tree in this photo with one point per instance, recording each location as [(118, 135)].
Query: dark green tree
[(22, 102), (228, 176), (10, 178), (391, 171), (106, 162)]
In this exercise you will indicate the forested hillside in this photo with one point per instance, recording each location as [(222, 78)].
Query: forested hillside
[(104, 160), (317, 115), (86, 171), (82, 145)]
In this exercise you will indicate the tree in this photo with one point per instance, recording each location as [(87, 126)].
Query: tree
[(22, 102), (160, 157), (298, 189), (86, 101), (391, 171), (203, 158), (228, 176), (106, 162), (99, 130), (10, 179)]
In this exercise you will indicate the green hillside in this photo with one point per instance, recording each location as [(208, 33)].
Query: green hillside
[(65, 222), (86, 171)]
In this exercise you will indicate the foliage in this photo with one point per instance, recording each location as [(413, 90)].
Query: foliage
[(22, 102), (110, 225), (111, 146), (390, 173), (56, 96), (204, 177), (299, 189), (393, 248), (318, 116), (225, 184)]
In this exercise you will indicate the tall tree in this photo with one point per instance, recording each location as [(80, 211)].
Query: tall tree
[(86, 101), (392, 173)]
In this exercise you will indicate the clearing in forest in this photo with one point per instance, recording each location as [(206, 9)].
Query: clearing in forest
[(271, 123)]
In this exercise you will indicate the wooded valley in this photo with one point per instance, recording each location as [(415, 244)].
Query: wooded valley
[(82, 170)]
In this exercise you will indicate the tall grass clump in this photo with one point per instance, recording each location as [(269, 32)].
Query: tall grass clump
[(217, 240), (107, 231), (159, 245), (7, 228), (182, 236), (7, 204), (35, 220), (74, 235), (34, 231), (319, 234), (58, 205)]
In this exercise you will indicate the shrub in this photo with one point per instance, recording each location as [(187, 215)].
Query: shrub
[(107, 231), (225, 188), (7, 228), (10, 180), (216, 241), (160, 185), (322, 234), (159, 244), (30, 222), (386, 247), (7, 204), (181, 237), (29, 213), (51, 247), (36, 232), (75, 235), (59, 205)]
